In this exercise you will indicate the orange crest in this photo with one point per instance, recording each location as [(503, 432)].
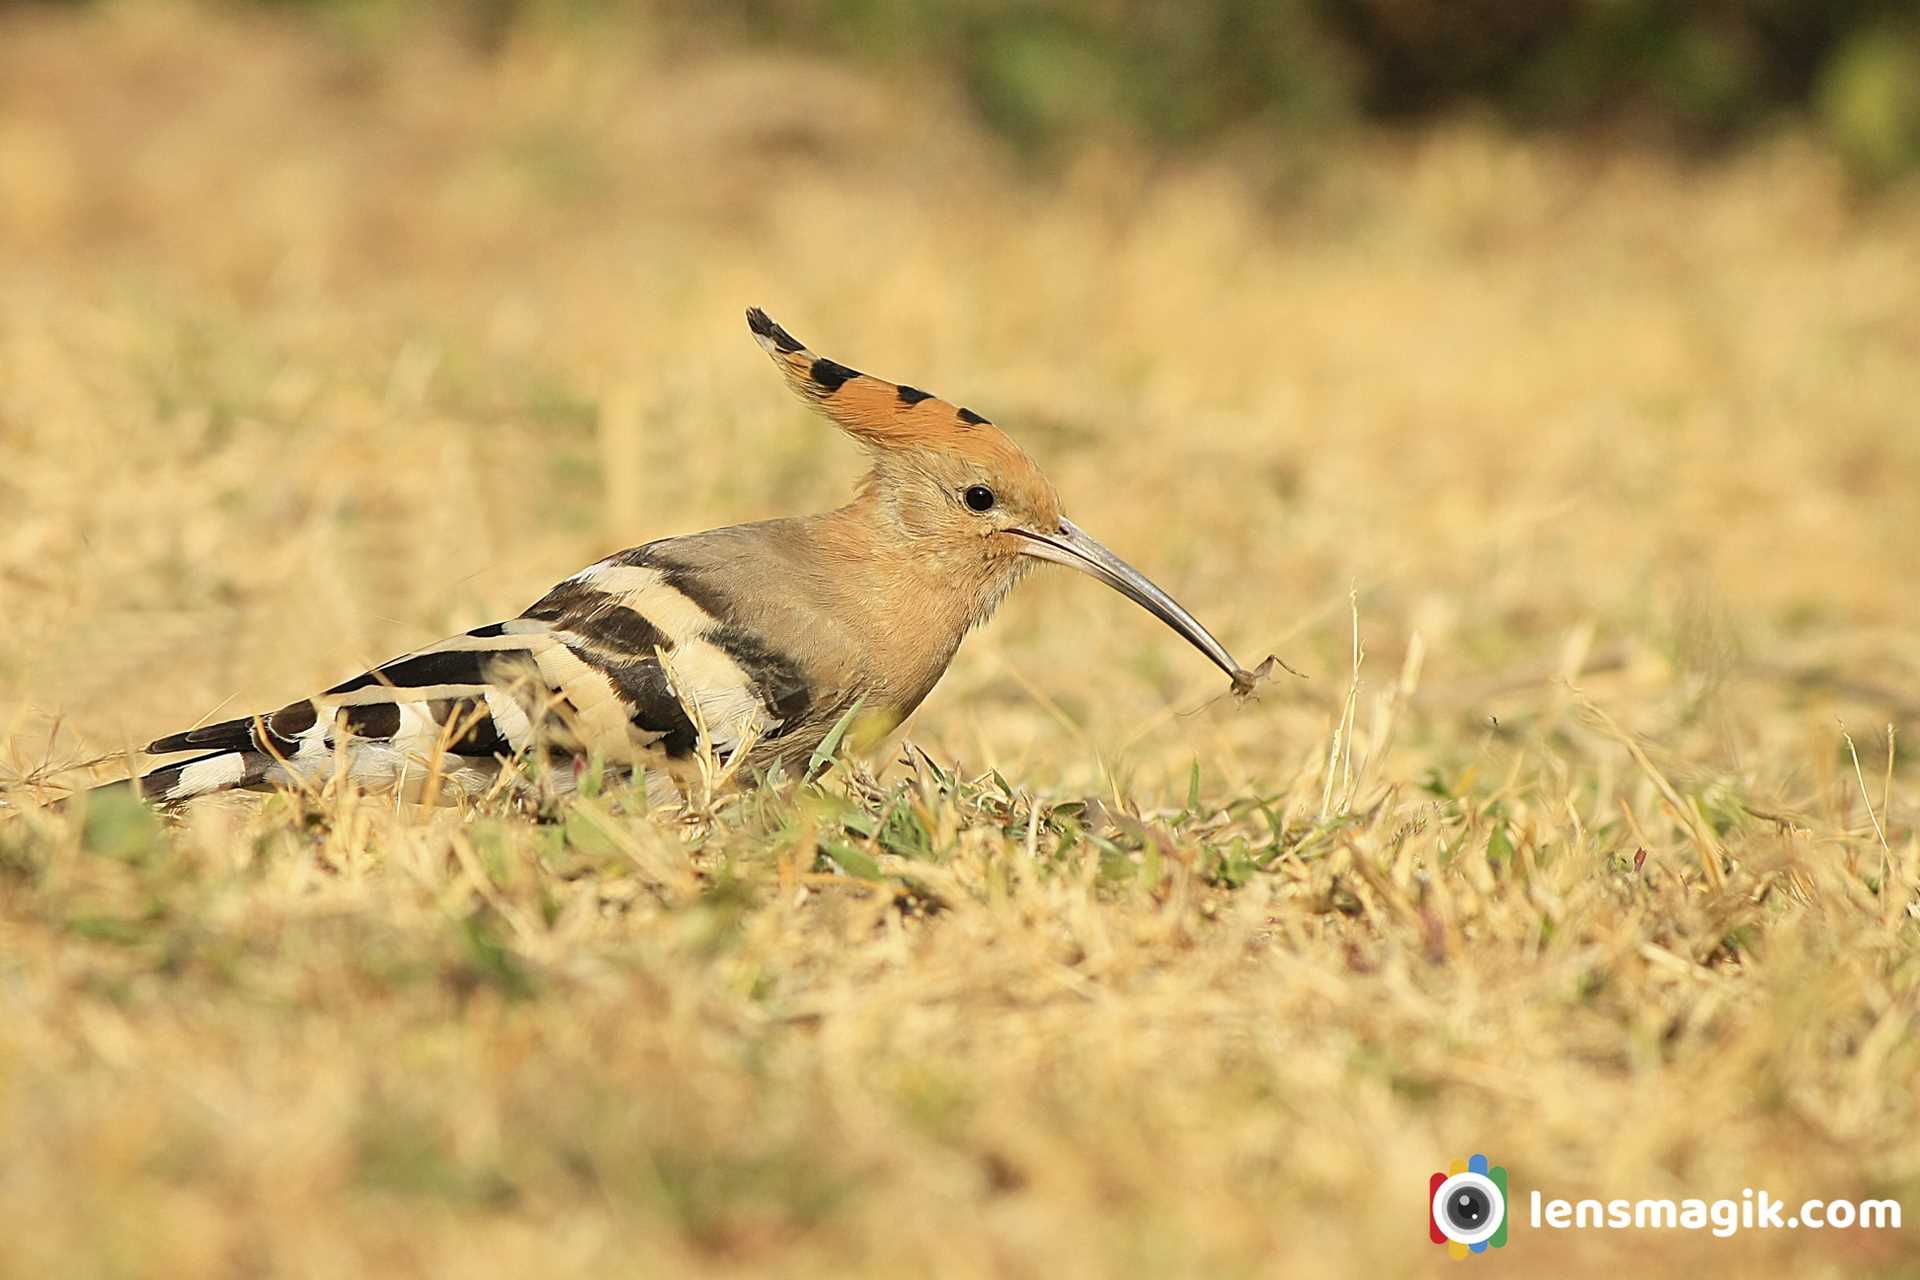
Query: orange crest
[(885, 415)]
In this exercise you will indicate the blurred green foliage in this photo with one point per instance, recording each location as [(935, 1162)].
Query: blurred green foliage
[(1694, 75), (1869, 100), (1043, 70)]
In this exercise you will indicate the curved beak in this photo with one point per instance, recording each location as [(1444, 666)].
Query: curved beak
[(1072, 546)]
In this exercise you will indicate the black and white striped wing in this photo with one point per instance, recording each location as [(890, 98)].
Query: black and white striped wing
[(579, 673), (622, 616)]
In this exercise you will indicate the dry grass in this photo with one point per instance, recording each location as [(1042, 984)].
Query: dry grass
[(309, 353)]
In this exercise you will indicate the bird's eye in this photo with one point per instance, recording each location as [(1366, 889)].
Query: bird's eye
[(979, 497)]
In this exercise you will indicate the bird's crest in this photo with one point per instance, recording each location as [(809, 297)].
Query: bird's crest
[(887, 415)]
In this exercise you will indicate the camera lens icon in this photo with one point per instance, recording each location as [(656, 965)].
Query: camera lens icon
[(1468, 1212), (1465, 1208)]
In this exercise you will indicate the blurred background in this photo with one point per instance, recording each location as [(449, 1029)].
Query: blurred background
[(1049, 73)]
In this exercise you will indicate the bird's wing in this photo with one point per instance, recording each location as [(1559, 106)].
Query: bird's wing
[(667, 598), (580, 672)]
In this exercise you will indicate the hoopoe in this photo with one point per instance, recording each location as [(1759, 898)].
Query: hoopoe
[(760, 636)]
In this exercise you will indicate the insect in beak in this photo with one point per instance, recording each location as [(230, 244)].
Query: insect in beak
[(1072, 546)]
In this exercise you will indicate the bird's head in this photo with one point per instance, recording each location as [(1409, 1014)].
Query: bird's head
[(957, 490)]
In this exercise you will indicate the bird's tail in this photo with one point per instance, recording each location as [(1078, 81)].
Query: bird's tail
[(171, 784), (202, 775)]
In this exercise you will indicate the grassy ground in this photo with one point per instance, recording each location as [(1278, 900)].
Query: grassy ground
[(310, 353)]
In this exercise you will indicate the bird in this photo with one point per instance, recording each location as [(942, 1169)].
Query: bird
[(750, 642)]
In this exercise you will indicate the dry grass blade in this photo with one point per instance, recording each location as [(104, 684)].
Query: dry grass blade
[(1711, 856), (1853, 754)]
